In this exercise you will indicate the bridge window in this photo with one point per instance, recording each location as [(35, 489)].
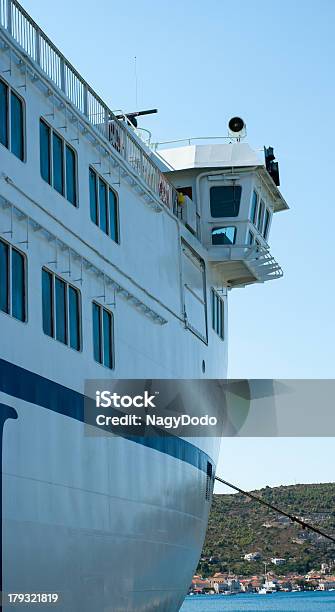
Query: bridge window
[(12, 281), (103, 336), (266, 223), (186, 191), (11, 121), (58, 163), (254, 203), (224, 235), (260, 216), (61, 310), (104, 206), (225, 200), (218, 314)]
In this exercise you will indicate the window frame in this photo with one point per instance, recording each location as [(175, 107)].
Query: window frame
[(65, 145), (218, 322), (101, 334), (8, 146), (10, 283), (98, 178), (55, 276)]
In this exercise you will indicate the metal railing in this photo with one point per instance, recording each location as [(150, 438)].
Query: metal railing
[(26, 33), (259, 257), (188, 141)]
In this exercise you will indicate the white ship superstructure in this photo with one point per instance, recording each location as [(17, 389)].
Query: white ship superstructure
[(115, 262)]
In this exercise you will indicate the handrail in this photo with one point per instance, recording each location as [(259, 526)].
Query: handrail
[(36, 44), (156, 145)]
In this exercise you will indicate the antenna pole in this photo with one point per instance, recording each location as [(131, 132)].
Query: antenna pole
[(136, 83)]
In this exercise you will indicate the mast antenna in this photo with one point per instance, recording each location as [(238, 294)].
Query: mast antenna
[(136, 82)]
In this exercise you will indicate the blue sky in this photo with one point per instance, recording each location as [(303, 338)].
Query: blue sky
[(200, 63)]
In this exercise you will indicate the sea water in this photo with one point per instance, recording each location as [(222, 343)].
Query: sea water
[(311, 601)]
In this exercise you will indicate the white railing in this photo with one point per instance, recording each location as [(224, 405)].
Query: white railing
[(258, 257), (188, 141), (26, 33)]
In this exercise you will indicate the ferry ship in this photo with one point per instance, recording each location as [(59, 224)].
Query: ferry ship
[(116, 259)]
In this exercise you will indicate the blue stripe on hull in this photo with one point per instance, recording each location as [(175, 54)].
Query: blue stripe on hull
[(36, 389)]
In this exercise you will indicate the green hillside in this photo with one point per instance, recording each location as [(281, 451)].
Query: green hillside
[(238, 525)]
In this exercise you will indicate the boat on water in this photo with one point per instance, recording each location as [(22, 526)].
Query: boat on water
[(116, 259)]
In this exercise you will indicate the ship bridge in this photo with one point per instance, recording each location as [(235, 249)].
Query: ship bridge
[(228, 196)]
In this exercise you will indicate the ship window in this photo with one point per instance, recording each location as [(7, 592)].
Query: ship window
[(74, 327), (93, 197), (47, 303), (186, 191), (266, 223), (260, 216), (11, 121), (103, 336), (218, 314), (58, 163), (104, 206), (97, 333), (71, 175), (60, 295), (225, 200), (3, 114), (250, 237), (45, 164), (61, 310), (113, 216), (224, 235), (12, 282), (16, 126), (253, 212), (4, 277), (18, 283)]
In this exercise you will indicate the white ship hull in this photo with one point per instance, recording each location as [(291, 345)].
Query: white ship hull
[(108, 523)]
